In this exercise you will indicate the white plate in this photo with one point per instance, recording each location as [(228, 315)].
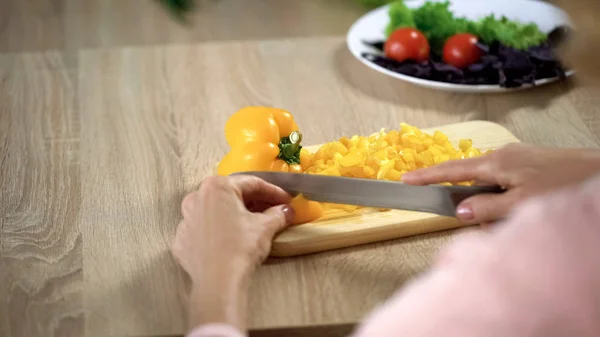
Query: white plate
[(371, 27)]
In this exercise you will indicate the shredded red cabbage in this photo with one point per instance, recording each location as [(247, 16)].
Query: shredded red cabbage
[(500, 64)]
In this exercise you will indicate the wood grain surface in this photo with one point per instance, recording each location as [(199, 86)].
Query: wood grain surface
[(339, 228), (110, 113)]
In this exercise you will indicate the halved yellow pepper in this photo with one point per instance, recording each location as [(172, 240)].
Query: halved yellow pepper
[(268, 139)]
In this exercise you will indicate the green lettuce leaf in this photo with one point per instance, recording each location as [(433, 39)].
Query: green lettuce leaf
[(511, 33), (400, 17), (438, 23)]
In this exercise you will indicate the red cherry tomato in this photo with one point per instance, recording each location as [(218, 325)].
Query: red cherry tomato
[(407, 44), (461, 50)]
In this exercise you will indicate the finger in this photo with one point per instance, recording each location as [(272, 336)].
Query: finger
[(452, 171), (482, 183), (251, 188), (486, 225), (487, 208), (277, 218), (188, 204), (258, 206), (177, 248)]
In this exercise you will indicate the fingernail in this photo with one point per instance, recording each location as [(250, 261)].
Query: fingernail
[(289, 213), (465, 213)]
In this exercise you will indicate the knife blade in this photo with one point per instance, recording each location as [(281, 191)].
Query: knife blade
[(437, 199)]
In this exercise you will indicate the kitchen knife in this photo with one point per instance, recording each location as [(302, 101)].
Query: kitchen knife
[(437, 199)]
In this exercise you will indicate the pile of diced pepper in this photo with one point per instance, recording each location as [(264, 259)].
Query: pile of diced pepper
[(388, 155)]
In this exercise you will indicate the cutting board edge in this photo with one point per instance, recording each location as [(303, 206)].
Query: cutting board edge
[(338, 240), (430, 130)]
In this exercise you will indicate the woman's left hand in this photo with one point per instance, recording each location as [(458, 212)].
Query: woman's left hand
[(227, 229)]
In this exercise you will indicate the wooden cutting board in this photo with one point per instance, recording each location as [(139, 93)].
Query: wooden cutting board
[(338, 228)]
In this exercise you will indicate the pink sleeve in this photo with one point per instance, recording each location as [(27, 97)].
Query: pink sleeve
[(538, 274), (215, 330)]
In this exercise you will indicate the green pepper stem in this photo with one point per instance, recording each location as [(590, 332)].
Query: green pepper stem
[(295, 140)]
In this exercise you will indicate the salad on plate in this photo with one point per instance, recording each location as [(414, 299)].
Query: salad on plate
[(430, 42)]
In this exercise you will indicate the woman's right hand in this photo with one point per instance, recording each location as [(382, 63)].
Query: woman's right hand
[(524, 170)]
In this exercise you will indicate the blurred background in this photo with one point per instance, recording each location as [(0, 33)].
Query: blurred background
[(34, 25)]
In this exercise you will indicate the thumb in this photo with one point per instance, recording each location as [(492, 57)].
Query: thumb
[(278, 218), (486, 208)]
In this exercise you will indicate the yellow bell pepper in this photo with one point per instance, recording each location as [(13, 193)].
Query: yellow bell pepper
[(262, 139), (268, 139)]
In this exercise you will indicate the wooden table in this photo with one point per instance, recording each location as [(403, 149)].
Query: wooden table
[(106, 122)]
